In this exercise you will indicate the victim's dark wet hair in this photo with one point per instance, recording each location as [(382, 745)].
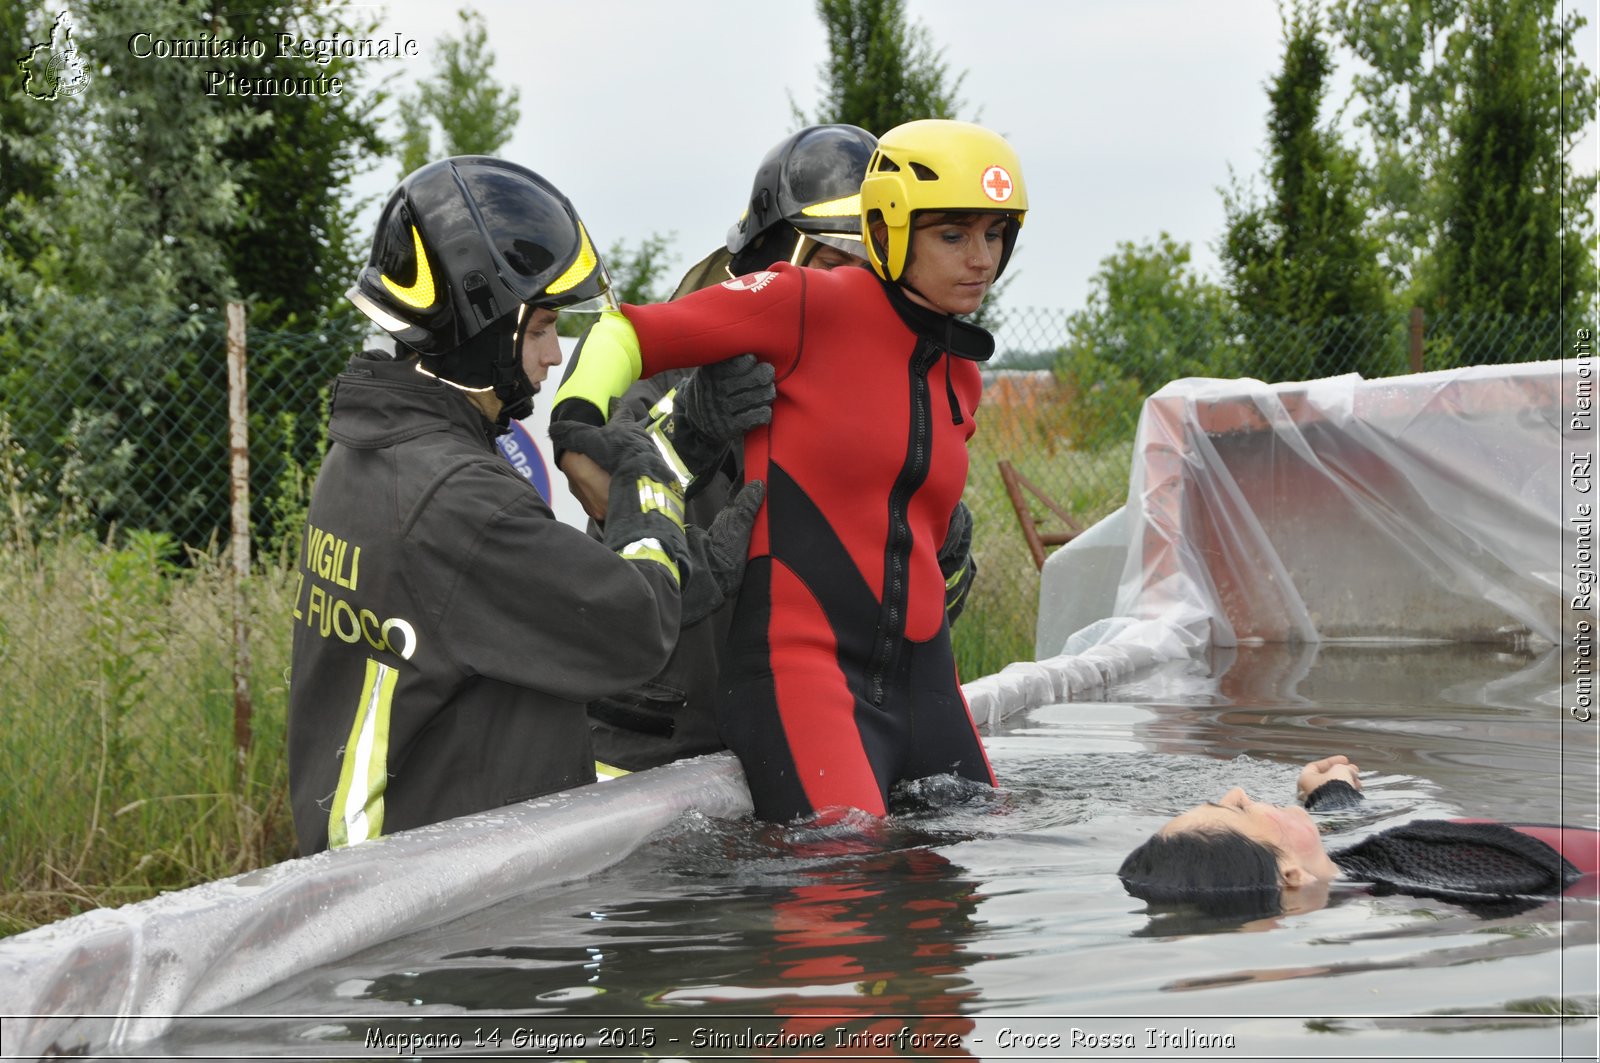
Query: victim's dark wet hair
[(1219, 871)]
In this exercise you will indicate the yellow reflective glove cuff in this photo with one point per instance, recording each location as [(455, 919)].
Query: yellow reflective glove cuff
[(955, 578), (650, 550), (669, 453), (606, 364), (663, 407), (665, 499)]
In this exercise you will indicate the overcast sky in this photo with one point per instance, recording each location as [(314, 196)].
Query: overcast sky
[(1127, 114)]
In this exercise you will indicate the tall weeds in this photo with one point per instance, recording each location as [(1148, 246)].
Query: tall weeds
[(118, 777)]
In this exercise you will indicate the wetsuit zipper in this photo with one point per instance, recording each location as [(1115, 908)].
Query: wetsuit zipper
[(897, 550)]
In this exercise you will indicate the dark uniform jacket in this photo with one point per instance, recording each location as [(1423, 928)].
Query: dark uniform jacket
[(448, 630)]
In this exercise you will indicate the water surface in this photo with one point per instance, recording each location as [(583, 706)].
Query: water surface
[(990, 924)]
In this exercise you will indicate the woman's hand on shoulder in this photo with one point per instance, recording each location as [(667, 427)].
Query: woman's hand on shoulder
[(1327, 769)]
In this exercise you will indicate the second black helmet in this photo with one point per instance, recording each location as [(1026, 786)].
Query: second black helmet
[(807, 186)]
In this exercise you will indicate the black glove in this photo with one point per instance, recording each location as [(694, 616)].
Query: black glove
[(716, 405), (608, 444), (644, 509), (717, 555), (957, 563)]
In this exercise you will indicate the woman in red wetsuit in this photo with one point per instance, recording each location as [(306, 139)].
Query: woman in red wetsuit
[(839, 680), (1243, 857)]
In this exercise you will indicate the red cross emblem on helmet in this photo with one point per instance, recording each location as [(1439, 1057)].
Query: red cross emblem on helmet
[(997, 184)]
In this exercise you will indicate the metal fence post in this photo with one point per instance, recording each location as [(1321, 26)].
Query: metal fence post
[(239, 473)]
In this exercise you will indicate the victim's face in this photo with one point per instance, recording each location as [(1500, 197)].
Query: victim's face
[(1288, 829), (828, 257)]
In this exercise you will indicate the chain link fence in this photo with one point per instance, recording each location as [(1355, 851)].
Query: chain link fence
[(132, 649), (117, 420)]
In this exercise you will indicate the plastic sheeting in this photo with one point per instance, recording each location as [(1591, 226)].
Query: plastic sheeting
[(1094, 562), (114, 977), (1418, 508), (1412, 508)]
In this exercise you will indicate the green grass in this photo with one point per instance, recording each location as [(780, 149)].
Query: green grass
[(121, 777)]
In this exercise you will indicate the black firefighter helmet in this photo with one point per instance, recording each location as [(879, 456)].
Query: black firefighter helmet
[(465, 248), (807, 187)]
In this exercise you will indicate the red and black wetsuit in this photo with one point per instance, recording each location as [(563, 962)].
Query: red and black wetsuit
[(838, 679), (1578, 846)]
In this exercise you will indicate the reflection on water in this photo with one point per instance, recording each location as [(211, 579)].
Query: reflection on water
[(991, 925), (820, 931)]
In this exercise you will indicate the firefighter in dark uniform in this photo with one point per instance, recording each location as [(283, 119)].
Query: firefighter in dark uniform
[(838, 680), (448, 630)]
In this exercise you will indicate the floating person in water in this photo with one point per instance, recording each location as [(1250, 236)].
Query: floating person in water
[(1246, 858)]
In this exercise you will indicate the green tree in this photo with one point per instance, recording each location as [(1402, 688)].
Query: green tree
[(639, 275), (132, 236), (475, 114), (294, 247), (1510, 242), (1404, 89), (881, 70), (154, 192), (1304, 256), (1150, 318), (1474, 108), (415, 143), (169, 200), (29, 162)]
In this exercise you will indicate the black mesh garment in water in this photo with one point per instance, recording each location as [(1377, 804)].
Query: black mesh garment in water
[(1438, 857)]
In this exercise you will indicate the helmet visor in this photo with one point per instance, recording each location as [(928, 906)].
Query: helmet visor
[(600, 303), (379, 316), (849, 243)]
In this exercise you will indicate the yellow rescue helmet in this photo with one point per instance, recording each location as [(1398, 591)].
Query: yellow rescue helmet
[(936, 164)]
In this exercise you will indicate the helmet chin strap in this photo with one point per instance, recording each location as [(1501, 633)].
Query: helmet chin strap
[(516, 409), (489, 362), (905, 267), (511, 385)]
